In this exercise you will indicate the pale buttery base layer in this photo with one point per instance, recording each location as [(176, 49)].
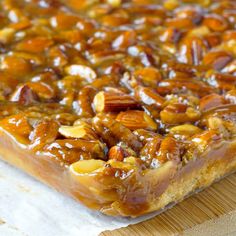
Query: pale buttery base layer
[(137, 195)]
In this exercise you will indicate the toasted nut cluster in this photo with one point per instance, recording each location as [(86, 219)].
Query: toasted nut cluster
[(96, 83)]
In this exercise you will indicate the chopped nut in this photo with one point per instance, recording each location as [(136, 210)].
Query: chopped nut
[(6, 35), (171, 4), (24, 95), (203, 140), (210, 101), (217, 59), (34, 45), (112, 132), (86, 166), (190, 12), (45, 132), (114, 3), (215, 123), (94, 147), (17, 124), (169, 150), (15, 66), (114, 102), (148, 76), (192, 50), (78, 131), (215, 22), (179, 114), (182, 85), (145, 135), (186, 130), (150, 150), (231, 96), (124, 40), (199, 31), (179, 23), (170, 35), (149, 97), (64, 21), (136, 120), (116, 153), (42, 89), (83, 71), (83, 106)]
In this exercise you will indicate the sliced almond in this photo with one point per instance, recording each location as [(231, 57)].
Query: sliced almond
[(186, 129), (86, 166), (78, 131)]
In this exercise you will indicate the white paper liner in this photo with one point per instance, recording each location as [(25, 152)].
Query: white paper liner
[(29, 208)]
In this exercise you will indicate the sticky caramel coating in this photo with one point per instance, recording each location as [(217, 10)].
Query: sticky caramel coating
[(138, 83)]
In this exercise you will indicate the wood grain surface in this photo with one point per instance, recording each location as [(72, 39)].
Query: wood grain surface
[(210, 212)]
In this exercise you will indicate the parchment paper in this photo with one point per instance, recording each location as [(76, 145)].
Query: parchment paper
[(29, 208)]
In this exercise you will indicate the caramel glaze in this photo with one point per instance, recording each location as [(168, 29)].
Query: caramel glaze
[(132, 195), (126, 105)]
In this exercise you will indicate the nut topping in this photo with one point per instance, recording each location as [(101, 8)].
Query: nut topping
[(82, 131), (116, 153), (210, 101), (112, 131), (101, 85), (24, 95), (82, 71), (136, 120), (109, 101), (179, 114)]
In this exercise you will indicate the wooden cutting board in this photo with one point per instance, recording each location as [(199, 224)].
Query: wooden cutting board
[(209, 213)]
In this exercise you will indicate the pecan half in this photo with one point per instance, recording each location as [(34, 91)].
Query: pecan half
[(45, 131), (114, 102), (210, 101), (117, 153), (136, 120), (179, 114), (24, 95)]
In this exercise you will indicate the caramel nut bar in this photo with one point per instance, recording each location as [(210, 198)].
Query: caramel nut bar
[(125, 105)]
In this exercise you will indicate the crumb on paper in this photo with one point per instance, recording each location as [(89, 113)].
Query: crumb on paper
[(2, 222), (12, 229), (23, 188)]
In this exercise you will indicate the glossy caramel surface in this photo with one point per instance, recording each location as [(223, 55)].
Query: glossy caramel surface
[(119, 87)]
